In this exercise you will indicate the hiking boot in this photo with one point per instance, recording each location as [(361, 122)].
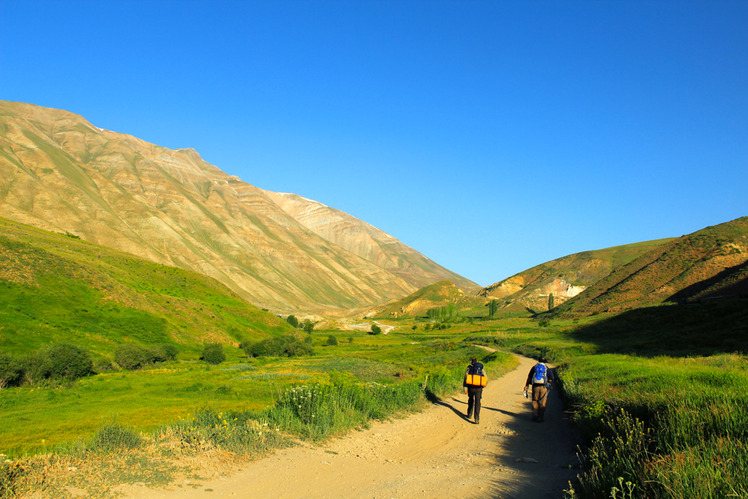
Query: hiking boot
[(470, 414), (477, 420)]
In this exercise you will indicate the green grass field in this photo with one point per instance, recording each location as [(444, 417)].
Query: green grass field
[(42, 418)]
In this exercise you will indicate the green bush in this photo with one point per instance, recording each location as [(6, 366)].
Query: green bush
[(281, 346), (291, 319), (375, 329), (61, 361), (332, 340), (112, 437), (213, 353), (132, 357), (11, 371)]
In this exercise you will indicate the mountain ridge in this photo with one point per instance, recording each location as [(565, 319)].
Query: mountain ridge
[(61, 173)]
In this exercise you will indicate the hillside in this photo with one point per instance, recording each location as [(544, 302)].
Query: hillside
[(707, 264), (57, 288), (60, 173), (417, 304), (564, 277)]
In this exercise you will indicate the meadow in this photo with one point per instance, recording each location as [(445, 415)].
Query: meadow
[(659, 394), (660, 418), (243, 406)]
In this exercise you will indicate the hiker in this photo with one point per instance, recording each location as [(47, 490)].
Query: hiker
[(475, 380), (540, 378)]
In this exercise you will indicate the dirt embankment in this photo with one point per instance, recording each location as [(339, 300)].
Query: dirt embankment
[(435, 453)]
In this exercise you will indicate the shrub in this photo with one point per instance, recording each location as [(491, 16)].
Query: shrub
[(114, 436), (213, 353), (11, 371), (291, 319), (375, 329), (131, 357), (60, 361), (281, 346), (331, 340)]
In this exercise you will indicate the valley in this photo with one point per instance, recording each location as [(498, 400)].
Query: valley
[(157, 314)]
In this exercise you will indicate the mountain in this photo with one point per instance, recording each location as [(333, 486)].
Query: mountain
[(366, 241), (564, 277), (59, 289), (708, 264), (60, 173)]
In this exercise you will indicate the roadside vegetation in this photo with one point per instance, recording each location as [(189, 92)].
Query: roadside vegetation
[(138, 424)]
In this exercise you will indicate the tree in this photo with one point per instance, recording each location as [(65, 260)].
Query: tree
[(550, 301), (307, 326), (291, 319), (375, 329), (493, 306), (331, 341)]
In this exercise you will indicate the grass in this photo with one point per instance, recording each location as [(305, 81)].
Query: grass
[(661, 419), (133, 423)]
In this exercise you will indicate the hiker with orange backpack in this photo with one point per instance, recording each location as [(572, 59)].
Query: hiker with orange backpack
[(475, 380)]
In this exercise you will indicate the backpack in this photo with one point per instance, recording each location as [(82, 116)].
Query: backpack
[(475, 375), (540, 374)]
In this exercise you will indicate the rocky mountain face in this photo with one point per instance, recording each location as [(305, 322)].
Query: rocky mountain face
[(564, 278), (708, 264), (60, 173)]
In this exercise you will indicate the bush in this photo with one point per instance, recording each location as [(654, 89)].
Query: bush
[(62, 361), (281, 346), (331, 340), (375, 329), (114, 436), (11, 371), (213, 353), (132, 357), (291, 319)]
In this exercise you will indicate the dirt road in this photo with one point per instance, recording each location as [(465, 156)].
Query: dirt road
[(436, 453)]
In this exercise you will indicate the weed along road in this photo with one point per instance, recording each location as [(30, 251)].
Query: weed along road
[(435, 453)]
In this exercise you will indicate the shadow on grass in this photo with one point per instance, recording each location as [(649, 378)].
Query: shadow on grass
[(707, 328)]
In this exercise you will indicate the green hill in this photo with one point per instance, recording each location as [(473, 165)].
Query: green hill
[(563, 277), (417, 304), (707, 264), (57, 288)]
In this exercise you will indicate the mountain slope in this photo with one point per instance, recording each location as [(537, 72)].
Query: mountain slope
[(709, 263), (59, 289), (60, 173), (564, 277), (366, 241)]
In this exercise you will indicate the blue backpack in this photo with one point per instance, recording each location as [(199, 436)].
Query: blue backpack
[(540, 375)]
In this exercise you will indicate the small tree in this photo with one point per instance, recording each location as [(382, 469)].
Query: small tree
[(308, 326), (291, 319), (331, 340), (375, 329), (493, 306), (550, 301), (213, 353)]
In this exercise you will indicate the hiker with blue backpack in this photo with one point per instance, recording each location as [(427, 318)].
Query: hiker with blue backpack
[(539, 378), (475, 380)]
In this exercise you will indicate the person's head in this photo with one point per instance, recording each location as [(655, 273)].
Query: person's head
[(473, 360), (542, 359)]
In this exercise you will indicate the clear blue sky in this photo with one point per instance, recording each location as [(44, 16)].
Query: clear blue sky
[(491, 136)]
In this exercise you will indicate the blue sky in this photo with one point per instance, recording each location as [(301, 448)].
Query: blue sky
[(491, 136)]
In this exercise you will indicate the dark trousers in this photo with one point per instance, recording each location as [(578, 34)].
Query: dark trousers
[(539, 398), (474, 395)]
